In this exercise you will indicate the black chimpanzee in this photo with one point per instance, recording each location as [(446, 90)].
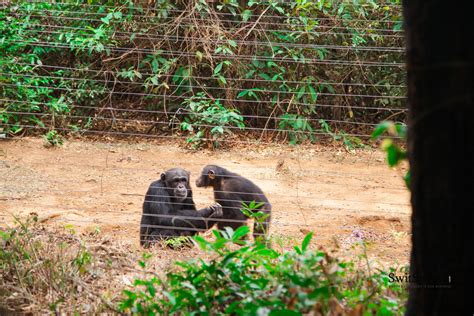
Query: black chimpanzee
[(169, 209), (230, 190)]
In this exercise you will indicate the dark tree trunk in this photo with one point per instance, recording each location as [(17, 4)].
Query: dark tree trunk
[(440, 65)]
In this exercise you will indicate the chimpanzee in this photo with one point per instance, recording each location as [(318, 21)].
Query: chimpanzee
[(230, 190), (167, 201)]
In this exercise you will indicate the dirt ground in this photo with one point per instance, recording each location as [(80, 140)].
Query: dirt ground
[(88, 185)]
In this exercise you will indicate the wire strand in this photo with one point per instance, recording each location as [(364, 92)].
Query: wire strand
[(273, 23), (209, 87), (182, 39), (128, 134), (176, 96), (292, 31), (210, 78), (185, 111), (332, 19), (223, 56), (114, 119)]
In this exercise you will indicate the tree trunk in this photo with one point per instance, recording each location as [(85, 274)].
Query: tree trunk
[(440, 65)]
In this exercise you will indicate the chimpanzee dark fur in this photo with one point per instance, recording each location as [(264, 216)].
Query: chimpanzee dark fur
[(230, 190), (166, 200)]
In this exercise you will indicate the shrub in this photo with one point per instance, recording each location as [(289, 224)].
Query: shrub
[(208, 121), (256, 280), (52, 138)]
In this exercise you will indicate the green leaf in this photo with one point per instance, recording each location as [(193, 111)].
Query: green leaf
[(243, 93), (155, 65), (407, 179), (297, 249), (246, 15), (232, 43), (401, 130), (218, 68), (221, 79), (170, 297), (314, 95), (380, 129), (392, 155), (154, 80), (301, 92), (241, 232), (306, 240), (217, 129)]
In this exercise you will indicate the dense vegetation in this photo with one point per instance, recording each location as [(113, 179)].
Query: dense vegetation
[(57, 270), (201, 69), (256, 280)]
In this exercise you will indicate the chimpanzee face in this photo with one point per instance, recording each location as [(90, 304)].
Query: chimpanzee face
[(207, 177), (177, 183)]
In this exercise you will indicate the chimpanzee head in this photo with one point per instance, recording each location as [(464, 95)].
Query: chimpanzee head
[(208, 176), (176, 181)]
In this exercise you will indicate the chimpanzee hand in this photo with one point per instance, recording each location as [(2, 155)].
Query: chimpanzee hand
[(216, 209)]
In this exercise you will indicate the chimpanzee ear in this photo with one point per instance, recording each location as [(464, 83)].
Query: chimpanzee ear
[(211, 174), (163, 176)]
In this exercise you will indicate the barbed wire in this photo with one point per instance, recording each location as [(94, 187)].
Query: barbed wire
[(180, 96), (130, 134), (181, 12), (130, 50), (307, 172), (317, 27), (208, 78), (183, 111), (183, 39), (248, 128), (183, 25), (207, 87), (221, 13), (274, 213), (210, 189)]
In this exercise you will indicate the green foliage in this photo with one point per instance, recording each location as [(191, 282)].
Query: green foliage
[(52, 138), (178, 242), (208, 121), (395, 153), (29, 91), (85, 56), (255, 280), (350, 142), (299, 127)]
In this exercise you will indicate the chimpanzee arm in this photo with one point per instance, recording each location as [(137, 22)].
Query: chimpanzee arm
[(197, 220)]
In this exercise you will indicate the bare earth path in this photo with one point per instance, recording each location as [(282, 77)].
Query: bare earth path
[(341, 197)]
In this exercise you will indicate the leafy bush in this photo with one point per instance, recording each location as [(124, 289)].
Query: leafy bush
[(52, 138), (255, 280), (349, 142), (208, 121), (63, 63), (395, 152), (299, 128)]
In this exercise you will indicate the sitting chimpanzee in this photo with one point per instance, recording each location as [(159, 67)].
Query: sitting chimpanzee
[(230, 190), (169, 210)]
